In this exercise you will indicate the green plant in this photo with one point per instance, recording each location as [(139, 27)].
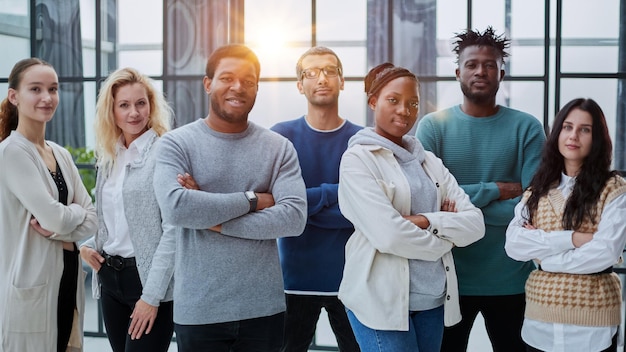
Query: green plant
[(85, 160)]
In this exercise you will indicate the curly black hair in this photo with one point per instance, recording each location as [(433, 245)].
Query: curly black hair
[(487, 38)]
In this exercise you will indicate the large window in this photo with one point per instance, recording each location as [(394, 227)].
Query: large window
[(560, 50)]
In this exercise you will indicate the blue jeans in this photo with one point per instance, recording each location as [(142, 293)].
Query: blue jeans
[(264, 334), (424, 335), (303, 312)]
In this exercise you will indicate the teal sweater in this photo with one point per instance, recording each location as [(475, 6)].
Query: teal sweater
[(479, 152)]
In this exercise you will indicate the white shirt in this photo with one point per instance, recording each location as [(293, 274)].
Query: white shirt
[(558, 254), (118, 241)]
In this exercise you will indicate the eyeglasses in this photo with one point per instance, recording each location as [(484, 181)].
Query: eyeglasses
[(314, 72)]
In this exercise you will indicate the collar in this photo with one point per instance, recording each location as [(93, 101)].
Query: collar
[(138, 145)]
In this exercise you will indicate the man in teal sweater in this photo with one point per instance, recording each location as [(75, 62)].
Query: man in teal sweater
[(493, 151)]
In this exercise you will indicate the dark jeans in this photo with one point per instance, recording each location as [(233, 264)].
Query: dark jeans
[(67, 297), (503, 316), (303, 312), (264, 334), (120, 291), (612, 348)]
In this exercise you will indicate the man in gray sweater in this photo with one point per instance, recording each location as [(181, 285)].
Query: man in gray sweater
[(228, 287)]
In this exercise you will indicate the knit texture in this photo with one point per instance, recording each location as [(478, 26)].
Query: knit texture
[(312, 263), (588, 300), (480, 152)]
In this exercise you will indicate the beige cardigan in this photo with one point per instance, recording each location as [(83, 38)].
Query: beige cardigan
[(375, 285), (30, 264)]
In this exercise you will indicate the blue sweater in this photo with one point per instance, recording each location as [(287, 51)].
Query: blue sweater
[(313, 262), (479, 152)]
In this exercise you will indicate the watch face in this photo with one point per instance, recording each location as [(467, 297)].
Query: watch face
[(251, 195)]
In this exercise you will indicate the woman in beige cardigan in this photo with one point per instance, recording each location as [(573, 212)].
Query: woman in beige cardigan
[(44, 210)]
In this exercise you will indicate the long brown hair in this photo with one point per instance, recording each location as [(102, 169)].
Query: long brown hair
[(8, 111)]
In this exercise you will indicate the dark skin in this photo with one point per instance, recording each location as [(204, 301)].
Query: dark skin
[(266, 200), (480, 73), (422, 222)]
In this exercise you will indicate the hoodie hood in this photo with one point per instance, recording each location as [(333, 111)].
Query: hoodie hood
[(410, 150)]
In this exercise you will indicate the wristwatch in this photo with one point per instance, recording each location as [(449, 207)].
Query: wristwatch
[(253, 199)]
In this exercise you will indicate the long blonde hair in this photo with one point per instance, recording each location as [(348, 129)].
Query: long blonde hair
[(107, 132)]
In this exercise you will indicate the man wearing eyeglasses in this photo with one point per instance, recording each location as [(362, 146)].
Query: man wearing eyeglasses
[(312, 263)]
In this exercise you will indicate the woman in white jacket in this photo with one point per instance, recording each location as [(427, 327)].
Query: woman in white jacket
[(399, 283)]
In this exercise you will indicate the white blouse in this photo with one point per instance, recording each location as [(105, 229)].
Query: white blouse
[(558, 254)]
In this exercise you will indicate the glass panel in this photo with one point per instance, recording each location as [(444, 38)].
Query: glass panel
[(524, 96), (590, 36), (89, 93), (527, 19), (582, 20), (149, 62), (333, 24), (603, 91), (280, 62), (276, 102), (527, 35), (525, 61), (273, 24), (488, 13), (354, 61), (14, 34), (281, 101), (88, 35), (280, 41), (140, 21), (353, 102), (20, 49), (592, 59), (451, 18), (108, 33)]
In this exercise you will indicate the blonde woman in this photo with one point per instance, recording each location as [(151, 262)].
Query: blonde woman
[(44, 210), (132, 254)]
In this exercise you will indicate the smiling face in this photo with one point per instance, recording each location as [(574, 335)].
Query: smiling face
[(322, 90), (479, 73), (233, 91), (395, 108), (131, 109), (575, 140), (37, 95)]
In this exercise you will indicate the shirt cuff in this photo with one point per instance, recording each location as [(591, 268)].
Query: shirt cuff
[(561, 241)]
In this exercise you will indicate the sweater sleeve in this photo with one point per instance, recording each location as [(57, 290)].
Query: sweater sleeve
[(524, 244), (365, 201), (323, 207), (89, 225), (162, 268), (24, 179), (466, 225), (602, 251), (531, 140), (186, 207), (287, 217)]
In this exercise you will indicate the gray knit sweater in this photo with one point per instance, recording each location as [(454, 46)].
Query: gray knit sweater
[(235, 274), (153, 241)]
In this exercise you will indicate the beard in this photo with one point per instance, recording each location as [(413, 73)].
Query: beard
[(229, 116), (479, 97), (322, 101)]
